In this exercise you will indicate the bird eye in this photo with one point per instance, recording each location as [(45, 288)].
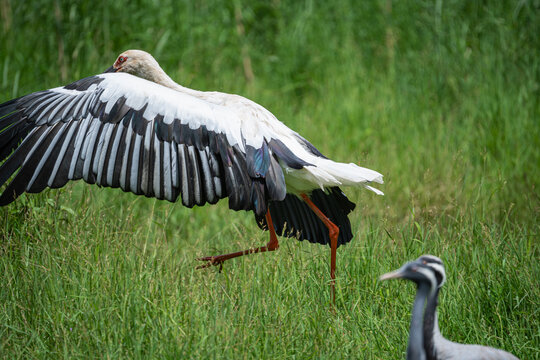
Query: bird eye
[(121, 59)]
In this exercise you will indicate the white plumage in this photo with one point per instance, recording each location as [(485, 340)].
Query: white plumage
[(138, 130)]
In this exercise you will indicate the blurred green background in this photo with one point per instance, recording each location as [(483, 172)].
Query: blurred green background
[(440, 97)]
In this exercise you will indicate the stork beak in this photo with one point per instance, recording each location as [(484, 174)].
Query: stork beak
[(110, 70)]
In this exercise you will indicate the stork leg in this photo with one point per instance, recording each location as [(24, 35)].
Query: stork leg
[(333, 233), (272, 245)]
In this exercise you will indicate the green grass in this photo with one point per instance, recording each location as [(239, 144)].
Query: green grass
[(441, 97)]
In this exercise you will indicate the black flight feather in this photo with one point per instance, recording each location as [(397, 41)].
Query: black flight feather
[(333, 204)]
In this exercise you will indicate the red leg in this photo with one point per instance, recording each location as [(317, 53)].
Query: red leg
[(272, 245), (334, 233)]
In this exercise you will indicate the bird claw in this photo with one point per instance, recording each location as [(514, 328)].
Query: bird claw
[(207, 258), (211, 261)]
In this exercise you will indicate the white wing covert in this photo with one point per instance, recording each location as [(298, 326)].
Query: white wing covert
[(118, 130)]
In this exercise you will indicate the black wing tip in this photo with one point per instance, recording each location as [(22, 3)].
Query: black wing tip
[(8, 107)]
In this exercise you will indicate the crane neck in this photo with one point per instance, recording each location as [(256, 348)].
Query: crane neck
[(415, 349), (431, 326)]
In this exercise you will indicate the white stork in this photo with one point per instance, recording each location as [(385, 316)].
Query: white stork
[(134, 128)]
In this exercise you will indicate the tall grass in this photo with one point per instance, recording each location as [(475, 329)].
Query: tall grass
[(441, 97)]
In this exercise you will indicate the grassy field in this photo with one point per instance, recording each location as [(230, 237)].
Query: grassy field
[(440, 97)]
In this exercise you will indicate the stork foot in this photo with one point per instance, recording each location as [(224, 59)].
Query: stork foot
[(220, 259), (272, 245), (212, 261)]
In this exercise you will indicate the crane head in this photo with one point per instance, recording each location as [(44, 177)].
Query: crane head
[(427, 268)]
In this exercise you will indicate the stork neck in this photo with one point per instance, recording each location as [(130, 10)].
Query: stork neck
[(162, 78), (415, 350), (431, 325)]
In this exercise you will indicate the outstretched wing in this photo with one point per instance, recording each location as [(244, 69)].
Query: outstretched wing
[(118, 130)]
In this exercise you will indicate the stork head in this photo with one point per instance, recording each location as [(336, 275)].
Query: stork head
[(138, 63), (426, 269)]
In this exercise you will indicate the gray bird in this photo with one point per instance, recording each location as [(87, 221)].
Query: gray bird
[(425, 339)]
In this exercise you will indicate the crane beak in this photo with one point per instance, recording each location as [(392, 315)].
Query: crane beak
[(407, 271), (398, 274), (110, 70)]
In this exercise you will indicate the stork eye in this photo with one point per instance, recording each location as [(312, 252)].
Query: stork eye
[(121, 59)]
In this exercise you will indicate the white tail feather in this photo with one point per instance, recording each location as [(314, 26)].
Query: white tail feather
[(376, 191), (329, 173), (350, 174)]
